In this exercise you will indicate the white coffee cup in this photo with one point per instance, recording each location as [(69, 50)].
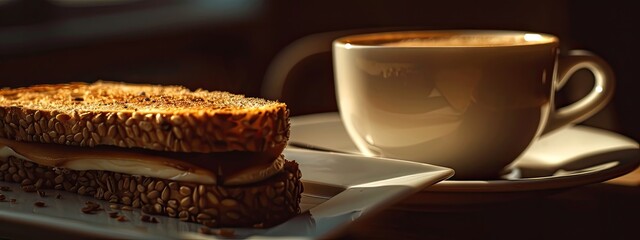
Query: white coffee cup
[(472, 100)]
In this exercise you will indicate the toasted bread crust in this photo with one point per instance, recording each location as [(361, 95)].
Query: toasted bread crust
[(166, 118), (262, 204)]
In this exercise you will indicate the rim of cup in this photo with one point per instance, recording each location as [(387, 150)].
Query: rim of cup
[(380, 39)]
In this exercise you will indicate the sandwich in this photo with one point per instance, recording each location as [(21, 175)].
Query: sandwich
[(210, 157)]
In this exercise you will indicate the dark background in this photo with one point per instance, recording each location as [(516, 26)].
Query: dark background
[(229, 44)]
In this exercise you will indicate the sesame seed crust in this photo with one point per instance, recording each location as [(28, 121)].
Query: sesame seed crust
[(262, 204)]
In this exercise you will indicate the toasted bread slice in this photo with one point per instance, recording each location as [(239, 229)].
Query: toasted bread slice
[(166, 118)]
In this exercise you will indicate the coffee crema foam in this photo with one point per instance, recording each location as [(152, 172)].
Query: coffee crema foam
[(468, 41)]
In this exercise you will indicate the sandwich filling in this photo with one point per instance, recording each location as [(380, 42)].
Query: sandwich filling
[(225, 168)]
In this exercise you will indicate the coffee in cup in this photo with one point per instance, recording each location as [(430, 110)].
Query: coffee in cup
[(469, 100)]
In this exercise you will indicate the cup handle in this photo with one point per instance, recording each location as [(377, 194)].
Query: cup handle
[(278, 70), (604, 83)]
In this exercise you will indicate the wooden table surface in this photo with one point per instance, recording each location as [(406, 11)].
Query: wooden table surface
[(609, 210)]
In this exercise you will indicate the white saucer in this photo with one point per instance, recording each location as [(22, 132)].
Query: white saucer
[(569, 157)]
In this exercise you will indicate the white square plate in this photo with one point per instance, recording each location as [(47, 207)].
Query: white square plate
[(339, 188)]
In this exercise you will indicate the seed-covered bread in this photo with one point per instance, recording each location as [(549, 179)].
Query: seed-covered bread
[(209, 157), (166, 118), (262, 204)]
